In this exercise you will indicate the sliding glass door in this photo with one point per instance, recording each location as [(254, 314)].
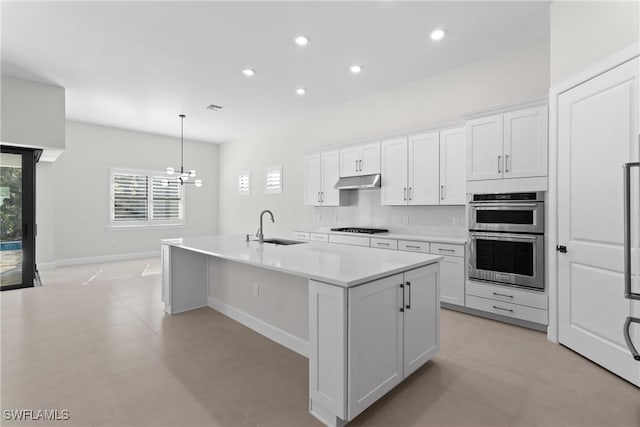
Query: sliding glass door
[(17, 217)]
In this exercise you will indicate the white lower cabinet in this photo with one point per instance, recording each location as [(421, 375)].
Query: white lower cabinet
[(452, 284), (520, 304), (363, 341)]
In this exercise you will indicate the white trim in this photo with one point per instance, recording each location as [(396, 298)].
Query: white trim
[(551, 204), (504, 108), (95, 260), (284, 338)]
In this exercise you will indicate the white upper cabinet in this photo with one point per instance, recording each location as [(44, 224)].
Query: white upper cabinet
[(509, 145), (424, 169), (525, 143), (484, 148), (321, 174), (452, 189), (394, 172), (361, 159)]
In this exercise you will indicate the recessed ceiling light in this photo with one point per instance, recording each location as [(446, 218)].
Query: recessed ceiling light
[(437, 34), (355, 69), (214, 107), (301, 40), (301, 91), (248, 72)]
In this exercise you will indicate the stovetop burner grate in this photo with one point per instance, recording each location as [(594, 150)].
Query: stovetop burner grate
[(360, 230)]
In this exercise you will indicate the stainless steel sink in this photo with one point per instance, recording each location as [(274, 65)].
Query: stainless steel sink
[(282, 242)]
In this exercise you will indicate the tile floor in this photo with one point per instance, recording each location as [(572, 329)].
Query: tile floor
[(94, 340)]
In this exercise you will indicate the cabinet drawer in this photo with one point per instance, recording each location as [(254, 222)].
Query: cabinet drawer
[(301, 235), (376, 242), (319, 237), (447, 249), (349, 240), (507, 309), (508, 294), (409, 245)]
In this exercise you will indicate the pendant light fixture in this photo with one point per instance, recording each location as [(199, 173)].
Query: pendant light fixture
[(182, 175)]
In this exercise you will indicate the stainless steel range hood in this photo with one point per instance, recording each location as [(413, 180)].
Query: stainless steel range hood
[(358, 182)]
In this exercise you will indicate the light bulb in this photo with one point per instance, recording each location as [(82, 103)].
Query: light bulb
[(170, 170), (437, 34), (184, 176), (165, 182), (301, 40), (192, 173), (198, 183), (355, 69)]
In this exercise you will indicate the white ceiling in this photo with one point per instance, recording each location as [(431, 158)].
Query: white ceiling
[(137, 65)]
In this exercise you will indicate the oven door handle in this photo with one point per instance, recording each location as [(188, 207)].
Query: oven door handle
[(494, 206), (514, 237)]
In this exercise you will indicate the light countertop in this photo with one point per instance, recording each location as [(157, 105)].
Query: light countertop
[(340, 265), (415, 237)]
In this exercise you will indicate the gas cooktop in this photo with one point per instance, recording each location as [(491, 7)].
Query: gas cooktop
[(360, 230)]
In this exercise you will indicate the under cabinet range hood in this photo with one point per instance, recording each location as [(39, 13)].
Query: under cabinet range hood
[(358, 182)]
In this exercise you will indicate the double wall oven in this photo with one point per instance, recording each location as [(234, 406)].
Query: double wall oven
[(507, 239)]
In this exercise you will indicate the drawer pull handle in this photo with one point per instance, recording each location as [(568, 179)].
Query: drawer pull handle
[(503, 309), (503, 295), (413, 247), (446, 250), (382, 244)]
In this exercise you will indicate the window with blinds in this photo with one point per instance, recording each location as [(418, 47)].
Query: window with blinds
[(244, 182), (273, 180), (145, 198)]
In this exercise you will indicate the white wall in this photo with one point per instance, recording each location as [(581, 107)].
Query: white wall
[(515, 75), (72, 200), (25, 103), (585, 32)]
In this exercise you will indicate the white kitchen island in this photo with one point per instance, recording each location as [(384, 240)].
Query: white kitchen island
[(366, 318)]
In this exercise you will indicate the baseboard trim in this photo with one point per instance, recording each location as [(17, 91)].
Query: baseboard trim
[(284, 338), (95, 259)]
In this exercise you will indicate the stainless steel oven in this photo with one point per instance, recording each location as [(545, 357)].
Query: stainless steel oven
[(506, 234)]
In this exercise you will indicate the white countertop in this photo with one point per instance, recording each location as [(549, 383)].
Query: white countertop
[(340, 265), (415, 237)]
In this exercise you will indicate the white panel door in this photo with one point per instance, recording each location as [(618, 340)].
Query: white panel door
[(349, 161), (424, 169), (370, 157), (421, 316), (597, 134), (375, 341), (484, 148), (452, 280), (312, 179), (453, 171), (330, 173), (394, 172), (525, 142)]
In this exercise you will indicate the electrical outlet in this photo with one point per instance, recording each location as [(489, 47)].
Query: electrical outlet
[(456, 220), (256, 289), (318, 217), (335, 218), (405, 219)]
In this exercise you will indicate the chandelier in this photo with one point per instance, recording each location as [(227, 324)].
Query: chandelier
[(182, 175)]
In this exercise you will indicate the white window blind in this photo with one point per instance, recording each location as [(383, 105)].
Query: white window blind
[(273, 180), (145, 198), (244, 182)]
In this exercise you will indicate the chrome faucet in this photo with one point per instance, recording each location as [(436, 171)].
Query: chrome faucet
[(259, 234)]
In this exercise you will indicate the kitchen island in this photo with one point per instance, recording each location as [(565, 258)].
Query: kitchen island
[(366, 318)]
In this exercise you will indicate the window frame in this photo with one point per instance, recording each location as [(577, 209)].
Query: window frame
[(149, 223)]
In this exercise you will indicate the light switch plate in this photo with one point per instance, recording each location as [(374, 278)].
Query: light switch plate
[(405, 219)]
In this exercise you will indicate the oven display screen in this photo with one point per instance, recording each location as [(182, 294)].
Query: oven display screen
[(504, 216), (504, 256)]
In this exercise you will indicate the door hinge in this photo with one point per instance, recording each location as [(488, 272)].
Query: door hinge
[(562, 249)]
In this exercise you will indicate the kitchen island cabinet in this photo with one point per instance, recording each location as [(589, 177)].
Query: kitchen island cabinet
[(358, 302)]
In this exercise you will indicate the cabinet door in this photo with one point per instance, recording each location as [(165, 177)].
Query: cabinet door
[(525, 142), (452, 280), (421, 316), (330, 174), (370, 157), (312, 179), (424, 169), (375, 341), (349, 161), (394, 172), (484, 148), (452, 167)]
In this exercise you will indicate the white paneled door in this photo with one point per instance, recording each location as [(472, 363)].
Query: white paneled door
[(597, 134)]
